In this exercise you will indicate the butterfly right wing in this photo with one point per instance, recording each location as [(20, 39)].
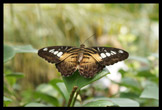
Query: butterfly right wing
[(108, 55), (88, 67), (96, 58)]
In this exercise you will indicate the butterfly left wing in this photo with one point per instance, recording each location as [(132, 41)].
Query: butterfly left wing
[(64, 58), (107, 55), (68, 66), (55, 54)]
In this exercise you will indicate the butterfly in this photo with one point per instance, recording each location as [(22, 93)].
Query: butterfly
[(88, 61)]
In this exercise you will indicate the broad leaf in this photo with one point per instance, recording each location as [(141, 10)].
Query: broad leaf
[(47, 98), (57, 84), (131, 83), (63, 90), (34, 104), (121, 102), (24, 49), (47, 89), (9, 53), (125, 102), (77, 80), (6, 101), (16, 75), (150, 91), (140, 59), (99, 103)]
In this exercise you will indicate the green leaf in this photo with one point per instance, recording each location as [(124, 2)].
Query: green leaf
[(77, 80), (125, 102), (60, 88), (6, 100), (99, 103), (34, 104), (63, 90), (10, 51), (150, 91), (47, 98), (130, 82), (141, 59), (128, 94), (121, 102), (145, 73), (8, 54), (24, 49), (16, 75), (47, 89)]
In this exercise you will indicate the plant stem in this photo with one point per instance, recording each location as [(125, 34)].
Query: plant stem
[(75, 97), (72, 95)]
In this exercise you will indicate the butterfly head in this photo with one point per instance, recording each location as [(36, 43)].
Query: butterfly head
[(82, 46)]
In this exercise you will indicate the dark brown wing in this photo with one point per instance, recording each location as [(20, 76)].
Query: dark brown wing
[(68, 66), (108, 55), (89, 66), (55, 54)]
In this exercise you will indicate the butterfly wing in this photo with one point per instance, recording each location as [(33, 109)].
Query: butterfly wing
[(55, 54), (68, 66), (94, 59), (108, 55), (89, 66), (63, 56)]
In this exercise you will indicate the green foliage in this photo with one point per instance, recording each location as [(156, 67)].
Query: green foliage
[(99, 103), (8, 54), (46, 97), (17, 75), (150, 91), (25, 49), (34, 104), (121, 102), (79, 81), (10, 51), (63, 91), (6, 101)]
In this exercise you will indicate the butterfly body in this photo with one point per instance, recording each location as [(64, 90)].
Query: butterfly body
[(88, 61), (80, 53)]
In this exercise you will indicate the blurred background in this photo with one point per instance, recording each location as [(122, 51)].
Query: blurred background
[(132, 27)]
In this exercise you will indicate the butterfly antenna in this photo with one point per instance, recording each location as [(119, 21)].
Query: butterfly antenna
[(88, 38), (80, 42)]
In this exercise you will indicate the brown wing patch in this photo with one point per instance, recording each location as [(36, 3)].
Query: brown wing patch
[(96, 57), (89, 66), (68, 66)]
